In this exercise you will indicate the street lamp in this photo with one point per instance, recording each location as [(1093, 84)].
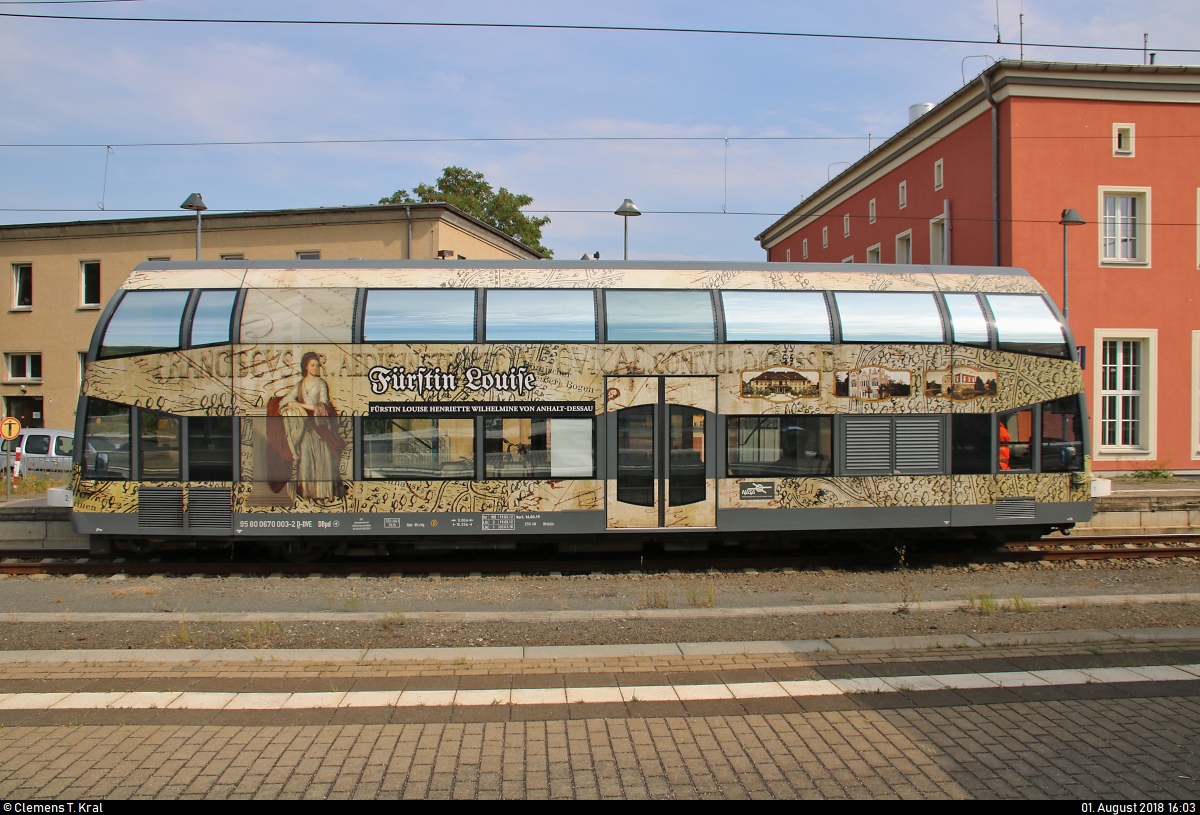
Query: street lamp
[(1069, 218), (627, 210), (194, 201)]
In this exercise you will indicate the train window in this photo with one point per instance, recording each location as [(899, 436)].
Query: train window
[(1026, 325), (779, 446), (297, 315), (420, 315), (158, 446), (1062, 436), (210, 324), (540, 315), (538, 448), (968, 325), (106, 440), (419, 449), (144, 321), (1014, 440), (775, 316), (970, 444), (210, 448), (636, 315), (889, 317)]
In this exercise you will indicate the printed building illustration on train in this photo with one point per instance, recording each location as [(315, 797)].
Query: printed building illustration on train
[(394, 402)]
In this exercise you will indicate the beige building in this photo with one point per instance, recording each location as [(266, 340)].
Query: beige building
[(62, 274)]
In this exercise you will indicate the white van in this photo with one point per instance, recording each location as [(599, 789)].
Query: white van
[(38, 450)]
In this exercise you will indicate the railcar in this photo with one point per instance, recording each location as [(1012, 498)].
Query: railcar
[(374, 407)]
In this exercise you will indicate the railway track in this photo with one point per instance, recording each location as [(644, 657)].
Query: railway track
[(1152, 547)]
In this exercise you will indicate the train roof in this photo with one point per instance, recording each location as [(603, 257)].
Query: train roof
[(577, 274)]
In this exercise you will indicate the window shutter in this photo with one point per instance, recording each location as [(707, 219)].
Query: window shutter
[(868, 445), (918, 445)]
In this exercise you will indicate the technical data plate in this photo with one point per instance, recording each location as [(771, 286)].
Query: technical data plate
[(499, 522)]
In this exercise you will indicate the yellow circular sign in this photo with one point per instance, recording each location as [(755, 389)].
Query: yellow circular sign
[(10, 427)]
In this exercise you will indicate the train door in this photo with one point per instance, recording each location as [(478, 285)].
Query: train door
[(661, 452)]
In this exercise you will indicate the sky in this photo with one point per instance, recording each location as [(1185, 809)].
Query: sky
[(712, 136)]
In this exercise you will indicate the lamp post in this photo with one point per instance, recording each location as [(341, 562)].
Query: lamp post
[(195, 202), (1069, 218), (627, 210)]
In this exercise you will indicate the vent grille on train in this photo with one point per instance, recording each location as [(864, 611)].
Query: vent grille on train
[(918, 445), (160, 507), (210, 509), (868, 445), (1016, 509)]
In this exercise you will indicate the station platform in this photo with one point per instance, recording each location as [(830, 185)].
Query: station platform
[(1064, 714)]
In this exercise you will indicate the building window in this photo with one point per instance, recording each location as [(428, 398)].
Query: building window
[(871, 211), (1125, 226), (875, 254), (824, 237), (22, 285), (903, 194), (904, 247), (937, 174), (848, 260), (25, 367), (240, 256), (846, 226), (1125, 388), (309, 255), (1123, 140), (804, 248), (787, 255), (89, 284), (937, 241), (160, 259), (1121, 393)]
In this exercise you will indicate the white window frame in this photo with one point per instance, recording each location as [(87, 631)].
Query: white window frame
[(904, 237), (848, 260), (903, 193), (1147, 450), (1127, 129), (937, 227), (300, 253), (804, 249), (875, 253), (16, 270), (1196, 396), (1143, 220), (83, 304), (28, 356), (824, 237), (846, 225), (871, 210), (938, 174), (787, 255)]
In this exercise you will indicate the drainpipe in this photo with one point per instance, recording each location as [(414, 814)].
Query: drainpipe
[(408, 245), (987, 91)]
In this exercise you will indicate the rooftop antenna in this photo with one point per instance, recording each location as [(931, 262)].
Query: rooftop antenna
[(1022, 37), (997, 25)]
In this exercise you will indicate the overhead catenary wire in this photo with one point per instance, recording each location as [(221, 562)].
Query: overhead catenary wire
[(737, 32)]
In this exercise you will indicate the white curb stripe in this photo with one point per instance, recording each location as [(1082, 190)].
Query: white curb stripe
[(207, 700)]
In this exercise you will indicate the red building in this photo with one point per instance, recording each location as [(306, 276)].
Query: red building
[(983, 178)]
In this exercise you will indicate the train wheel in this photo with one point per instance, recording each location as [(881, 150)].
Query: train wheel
[(303, 551)]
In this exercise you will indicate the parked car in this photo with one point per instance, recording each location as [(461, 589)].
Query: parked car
[(37, 450)]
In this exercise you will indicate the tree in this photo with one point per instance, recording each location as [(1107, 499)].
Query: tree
[(470, 192)]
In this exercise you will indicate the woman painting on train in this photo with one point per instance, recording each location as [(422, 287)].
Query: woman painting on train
[(310, 425)]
